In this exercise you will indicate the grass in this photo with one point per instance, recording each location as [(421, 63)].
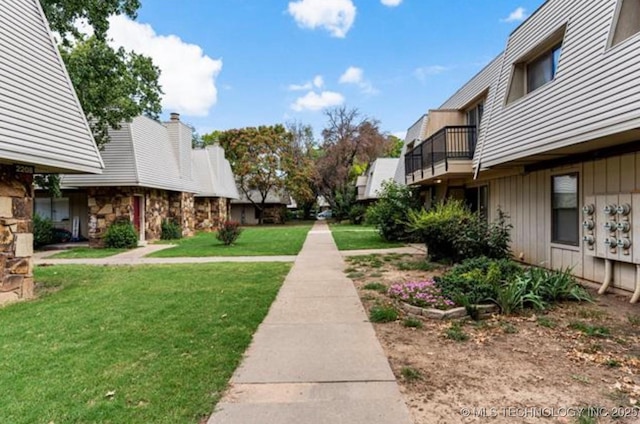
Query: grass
[(412, 323), (148, 344), (379, 287), (634, 320), (86, 253), (546, 322), (254, 241), (381, 313), (357, 237), (590, 330)]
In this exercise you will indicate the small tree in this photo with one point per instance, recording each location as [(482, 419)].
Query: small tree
[(390, 213), (42, 231)]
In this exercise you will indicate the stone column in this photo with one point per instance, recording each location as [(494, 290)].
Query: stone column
[(16, 235)]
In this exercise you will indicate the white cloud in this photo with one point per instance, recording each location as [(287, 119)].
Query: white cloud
[(188, 76), (336, 16), (313, 101), (391, 3), (518, 15), (426, 71), (352, 75), (317, 82), (355, 75)]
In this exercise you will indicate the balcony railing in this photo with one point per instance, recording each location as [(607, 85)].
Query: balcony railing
[(450, 143)]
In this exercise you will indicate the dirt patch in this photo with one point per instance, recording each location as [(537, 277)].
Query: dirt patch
[(528, 368)]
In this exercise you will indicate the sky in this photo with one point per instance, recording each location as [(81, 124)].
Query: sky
[(237, 63)]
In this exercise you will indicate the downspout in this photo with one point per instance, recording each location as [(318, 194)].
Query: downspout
[(636, 293), (608, 277)]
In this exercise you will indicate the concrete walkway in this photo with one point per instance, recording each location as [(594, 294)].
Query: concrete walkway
[(137, 257), (315, 359)]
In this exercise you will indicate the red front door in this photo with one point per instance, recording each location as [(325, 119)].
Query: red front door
[(136, 213)]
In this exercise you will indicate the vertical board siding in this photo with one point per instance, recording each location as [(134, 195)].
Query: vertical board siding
[(43, 123), (527, 199), (580, 103)]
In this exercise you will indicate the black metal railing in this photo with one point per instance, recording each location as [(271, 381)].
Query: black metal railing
[(450, 143)]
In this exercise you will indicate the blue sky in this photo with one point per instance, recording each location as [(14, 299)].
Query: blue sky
[(235, 63)]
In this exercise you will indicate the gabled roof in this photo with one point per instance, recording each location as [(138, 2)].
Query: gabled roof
[(281, 198), (42, 123), (381, 170), (213, 173), (139, 154), (414, 133)]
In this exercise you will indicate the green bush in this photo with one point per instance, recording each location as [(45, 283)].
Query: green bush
[(121, 235), (357, 214), (380, 313), (42, 231), (228, 232), (476, 280), (170, 230), (390, 213)]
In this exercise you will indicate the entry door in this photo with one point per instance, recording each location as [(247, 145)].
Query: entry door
[(137, 216)]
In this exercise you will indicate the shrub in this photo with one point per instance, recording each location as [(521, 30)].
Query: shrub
[(456, 333), (476, 280), (170, 230), (453, 233), (412, 323), (424, 294), (357, 214), (228, 232), (121, 235), (42, 231), (390, 212), (379, 287)]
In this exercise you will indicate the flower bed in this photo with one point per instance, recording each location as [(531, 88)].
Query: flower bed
[(423, 294)]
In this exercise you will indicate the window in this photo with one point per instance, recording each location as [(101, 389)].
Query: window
[(543, 69), (56, 209), (627, 22), (565, 215), (537, 67)]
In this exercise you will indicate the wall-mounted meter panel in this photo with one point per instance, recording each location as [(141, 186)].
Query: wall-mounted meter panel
[(589, 224)]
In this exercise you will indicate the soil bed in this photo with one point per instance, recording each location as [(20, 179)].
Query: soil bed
[(575, 355)]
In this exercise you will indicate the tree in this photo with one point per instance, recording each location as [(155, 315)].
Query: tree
[(302, 178), (260, 159), (395, 148), (113, 85), (348, 140)]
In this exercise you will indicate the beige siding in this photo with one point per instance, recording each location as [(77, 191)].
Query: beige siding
[(527, 199), (595, 92), (438, 119), (42, 122), (478, 85)]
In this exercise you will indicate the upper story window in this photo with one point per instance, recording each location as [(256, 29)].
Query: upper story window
[(543, 69), (474, 114), (627, 22), (537, 67)]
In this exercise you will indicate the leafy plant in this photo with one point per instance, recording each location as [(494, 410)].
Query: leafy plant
[(455, 332), (452, 233), (476, 280), (121, 235), (228, 232), (357, 214), (390, 213), (380, 313), (634, 320), (546, 322), (42, 231), (379, 287), (420, 293), (170, 230), (410, 374), (412, 323)]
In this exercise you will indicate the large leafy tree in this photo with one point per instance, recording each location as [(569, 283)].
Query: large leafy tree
[(349, 140), (113, 85), (261, 160), (302, 177)]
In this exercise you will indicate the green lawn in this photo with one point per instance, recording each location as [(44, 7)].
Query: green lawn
[(254, 241), (86, 252), (148, 344), (356, 237)]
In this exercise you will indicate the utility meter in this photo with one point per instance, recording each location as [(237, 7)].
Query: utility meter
[(589, 240), (624, 226), (610, 242), (588, 224), (624, 209), (610, 226), (610, 209), (624, 243), (589, 209)]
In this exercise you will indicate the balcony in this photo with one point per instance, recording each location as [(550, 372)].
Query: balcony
[(447, 153)]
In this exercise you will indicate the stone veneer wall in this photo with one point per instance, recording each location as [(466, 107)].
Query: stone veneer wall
[(210, 211), (182, 210), (107, 204), (16, 235)]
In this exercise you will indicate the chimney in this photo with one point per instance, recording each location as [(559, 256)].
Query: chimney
[(175, 117)]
